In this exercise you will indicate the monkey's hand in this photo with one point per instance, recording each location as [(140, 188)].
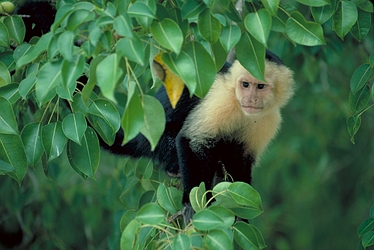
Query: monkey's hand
[(187, 213)]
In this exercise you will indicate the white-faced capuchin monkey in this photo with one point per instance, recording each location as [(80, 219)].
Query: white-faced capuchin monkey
[(225, 132)]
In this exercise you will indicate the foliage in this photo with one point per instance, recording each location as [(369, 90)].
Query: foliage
[(361, 92), (49, 107), (365, 231), (156, 226)]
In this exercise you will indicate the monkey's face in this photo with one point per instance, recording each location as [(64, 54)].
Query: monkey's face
[(254, 96)]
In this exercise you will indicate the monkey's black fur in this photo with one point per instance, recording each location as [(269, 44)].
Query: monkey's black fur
[(38, 17)]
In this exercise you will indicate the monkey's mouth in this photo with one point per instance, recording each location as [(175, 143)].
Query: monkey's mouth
[(251, 109)]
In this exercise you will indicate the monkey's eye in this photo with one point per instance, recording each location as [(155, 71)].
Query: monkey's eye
[(245, 84), (260, 86)]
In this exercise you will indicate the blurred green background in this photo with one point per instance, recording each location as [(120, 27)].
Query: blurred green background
[(316, 186)]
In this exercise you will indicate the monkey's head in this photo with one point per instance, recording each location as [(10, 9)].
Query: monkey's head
[(257, 97)]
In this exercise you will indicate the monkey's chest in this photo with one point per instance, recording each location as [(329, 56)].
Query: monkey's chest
[(230, 152)]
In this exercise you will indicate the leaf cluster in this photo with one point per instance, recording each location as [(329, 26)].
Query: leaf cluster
[(158, 224), (361, 92), (365, 230)]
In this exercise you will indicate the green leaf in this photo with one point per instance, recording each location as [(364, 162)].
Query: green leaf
[(74, 127), (65, 45), (364, 5), (230, 36), (279, 21), (61, 14), (133, 117), (13, 152), (360, 77), (368, 239), (322, 14), (4, 36), (359, 101), (204, 67), (85, 6), (303, 32), (5, 167), (122, 25), (16, 28), (354, 123), (271, 6), (197, 197), (7, 58), (365, 227), (129, 235), (39, 48), (244, 194), (4, 74), (31, 138), (78, 17), (141, 9), (258, 25), (191, 9), (206, 220), (8, 123), (182, 242), (196, 240), (10, 92), (70, 72), (26, 85), (219, 55), (109, 73), (85, 157), (132, 192), (209, 26), (222, 196), (314, 3), (220, 6), (183, 66), (362, 26), (107, 111), (371, 60), (218, 240), (131, 48), (90, 85), (48, 78), (146, 234), (154, 120), (54, 140), (103, 128), (151, 214), (21, 50), (248, 236), (144, 169), (169, 198), (254, 58), (127, 217), (226, 215), (246, 212), (94, 37), (168, 34), (344, 18)]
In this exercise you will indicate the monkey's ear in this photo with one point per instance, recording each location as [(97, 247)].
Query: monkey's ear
[(173, 84)]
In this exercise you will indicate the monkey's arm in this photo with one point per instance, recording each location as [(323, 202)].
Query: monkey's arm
[(234, 160), (195, 167)]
